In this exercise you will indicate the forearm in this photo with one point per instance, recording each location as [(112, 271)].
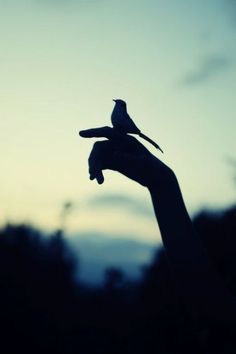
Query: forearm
[(198, 282), (178, 235)]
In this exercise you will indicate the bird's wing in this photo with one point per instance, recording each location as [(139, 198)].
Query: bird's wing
[(131, 126)]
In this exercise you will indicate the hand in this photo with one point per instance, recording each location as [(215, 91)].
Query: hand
[(125, 154)]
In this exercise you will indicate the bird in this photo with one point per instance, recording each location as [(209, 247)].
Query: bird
[(121, 121)]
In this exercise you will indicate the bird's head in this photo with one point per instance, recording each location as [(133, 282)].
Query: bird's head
[(120, 103)]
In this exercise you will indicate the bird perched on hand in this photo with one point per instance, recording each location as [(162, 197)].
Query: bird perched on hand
[(121, 121)]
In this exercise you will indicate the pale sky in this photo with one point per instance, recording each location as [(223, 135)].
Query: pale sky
[(62, 63)]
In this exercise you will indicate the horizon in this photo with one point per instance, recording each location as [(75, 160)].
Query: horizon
[(63, 63)]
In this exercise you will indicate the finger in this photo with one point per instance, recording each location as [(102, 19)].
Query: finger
[(102, 132), (97, 160), (98, 176), (107, 132)]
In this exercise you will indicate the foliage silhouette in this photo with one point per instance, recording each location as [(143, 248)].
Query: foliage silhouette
[(44, 310)]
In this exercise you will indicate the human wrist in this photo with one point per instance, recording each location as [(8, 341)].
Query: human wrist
[(159, 175)]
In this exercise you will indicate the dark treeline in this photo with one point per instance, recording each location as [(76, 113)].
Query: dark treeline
[(44, 310)]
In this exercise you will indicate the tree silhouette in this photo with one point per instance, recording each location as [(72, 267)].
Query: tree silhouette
[(43, 310)]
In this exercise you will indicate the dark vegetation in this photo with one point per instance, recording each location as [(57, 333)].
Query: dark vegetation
[(44, 310)]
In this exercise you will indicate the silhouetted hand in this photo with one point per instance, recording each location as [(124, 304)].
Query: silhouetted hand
[(125, 154)]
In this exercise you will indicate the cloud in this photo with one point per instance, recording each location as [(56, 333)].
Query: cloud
[(209, 67), (98, 251), (231, 161), (133, 205)]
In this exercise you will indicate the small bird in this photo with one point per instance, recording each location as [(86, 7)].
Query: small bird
[(121, 121)]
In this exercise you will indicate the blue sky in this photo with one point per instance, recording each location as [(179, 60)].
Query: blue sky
[(62, 62)]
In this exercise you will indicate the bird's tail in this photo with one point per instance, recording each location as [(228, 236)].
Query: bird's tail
[(145, 137)]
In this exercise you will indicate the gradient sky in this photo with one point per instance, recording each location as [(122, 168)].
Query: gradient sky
[(62, 63)]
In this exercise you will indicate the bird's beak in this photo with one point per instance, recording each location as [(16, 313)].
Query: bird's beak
[(114, 100)]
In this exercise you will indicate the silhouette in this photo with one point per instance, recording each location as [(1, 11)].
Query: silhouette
[(42, 308), (184, 302), (122, 121), (67, 207), (37, 289), (113, 278), (202, 292), (217, 231)]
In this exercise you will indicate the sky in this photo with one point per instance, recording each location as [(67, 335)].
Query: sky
[(61, 64)]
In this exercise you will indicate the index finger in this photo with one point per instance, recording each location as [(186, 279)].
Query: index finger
[(106, 132), (123, 141), (103, 132)]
